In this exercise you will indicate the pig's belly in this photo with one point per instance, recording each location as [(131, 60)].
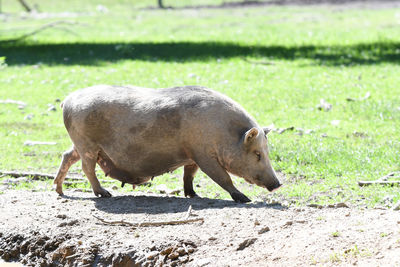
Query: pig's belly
[(137, 168)]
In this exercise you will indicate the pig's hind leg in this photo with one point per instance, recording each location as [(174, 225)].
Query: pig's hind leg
[(188, 175), (68, 158), (89, 161)]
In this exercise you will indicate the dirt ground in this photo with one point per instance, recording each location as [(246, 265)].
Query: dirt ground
[(43, 229)]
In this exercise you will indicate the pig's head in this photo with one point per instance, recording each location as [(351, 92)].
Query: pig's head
[(251, 161)]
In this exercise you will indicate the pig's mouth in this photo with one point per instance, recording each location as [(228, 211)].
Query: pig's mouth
[(256, 180), (270, 187), (273, 188)]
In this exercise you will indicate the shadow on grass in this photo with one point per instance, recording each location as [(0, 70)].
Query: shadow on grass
[(255, 3), (152, 204), (102, 53)]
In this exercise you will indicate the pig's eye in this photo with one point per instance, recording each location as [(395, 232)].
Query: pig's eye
[(258, 155)]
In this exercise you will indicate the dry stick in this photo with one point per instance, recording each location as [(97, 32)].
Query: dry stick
[(188, 213), (383, 180), (37, 176), (34, 175), (42, 28), (364, 183), (147, 224), (25, 5), (258, 62), (391, 174)]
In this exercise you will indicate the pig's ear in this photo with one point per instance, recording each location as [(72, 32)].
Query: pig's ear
[(267, 130), (250, 135)]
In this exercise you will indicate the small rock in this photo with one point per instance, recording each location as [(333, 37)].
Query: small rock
[(173, 256), (323, 105), (341, 205), (360, 134), (202, 262), (167, 251), (62, 224), (288, 223), (246, 243), (73, 222), (51, 107), (335, 122), (102, 9), (175, 192), (182, 251), (263, 230), (184, 259), (256, 222), (317, 206), (301, 131), (397, 206), (212, 238), (61, 216), (152, 255), (28, 117), (162, 188)]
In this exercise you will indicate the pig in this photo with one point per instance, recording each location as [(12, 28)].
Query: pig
[(136, 133)]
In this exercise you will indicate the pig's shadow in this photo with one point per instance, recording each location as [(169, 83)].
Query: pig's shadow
[(138, 204)]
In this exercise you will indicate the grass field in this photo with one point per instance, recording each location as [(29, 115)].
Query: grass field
[(277, 61)]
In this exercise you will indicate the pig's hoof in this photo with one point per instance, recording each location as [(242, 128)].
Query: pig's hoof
[(59, 190), (191, 194), (239, 197), (102, 193)]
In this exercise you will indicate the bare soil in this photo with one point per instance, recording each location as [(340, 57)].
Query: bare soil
[(43, 229)]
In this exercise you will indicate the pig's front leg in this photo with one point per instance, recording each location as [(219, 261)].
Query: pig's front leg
[(188, 175), (214, 170)]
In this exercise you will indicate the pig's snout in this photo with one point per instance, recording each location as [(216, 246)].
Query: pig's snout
[(274, 186), (273, 182)]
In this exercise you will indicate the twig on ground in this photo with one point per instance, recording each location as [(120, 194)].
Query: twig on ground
[(389, 175), (26, 6), (149, 224), (42, 28), (364, 183), (367, 95), (38, 143), (258, 62), (10, 101), (188, 213), (34, 175), (383, 180), (282, 130)]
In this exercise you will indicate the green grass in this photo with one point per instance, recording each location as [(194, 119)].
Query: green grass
[(316, 52)]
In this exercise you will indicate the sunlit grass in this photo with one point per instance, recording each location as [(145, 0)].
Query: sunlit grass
[(278, 62)]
